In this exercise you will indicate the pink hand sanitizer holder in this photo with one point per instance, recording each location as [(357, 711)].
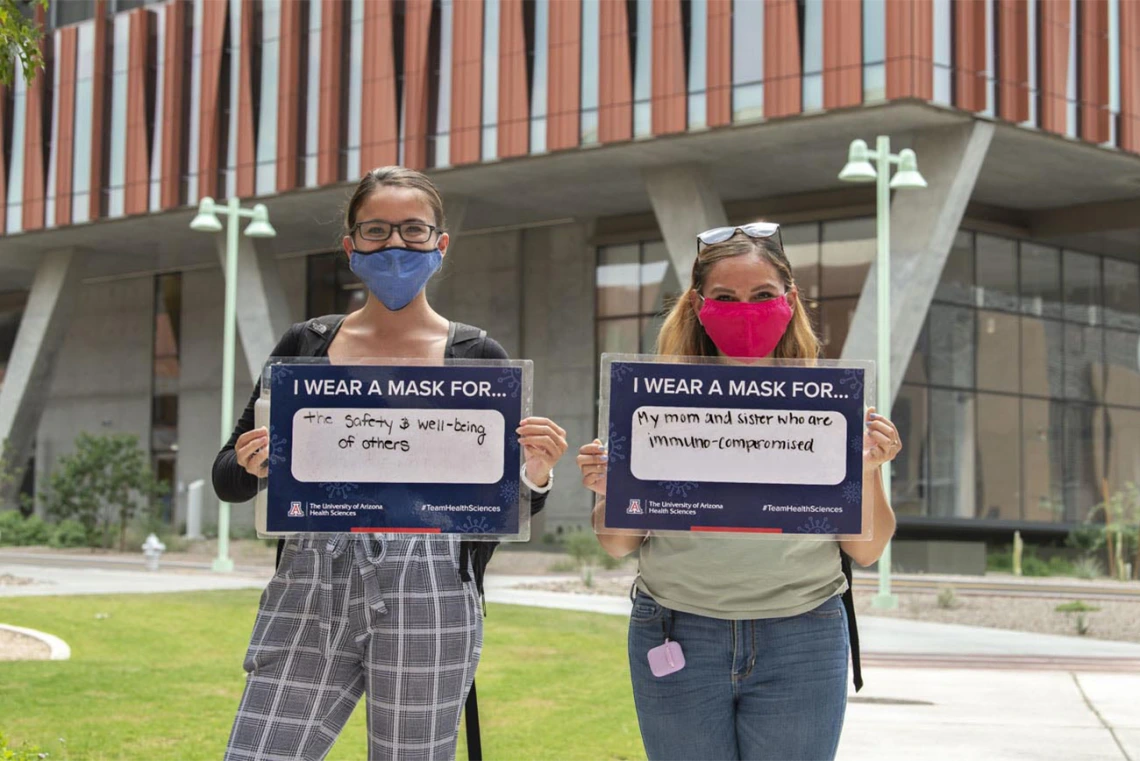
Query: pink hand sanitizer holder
[(666, 659)]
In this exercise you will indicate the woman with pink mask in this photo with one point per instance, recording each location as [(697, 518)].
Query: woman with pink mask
[(765, 625)]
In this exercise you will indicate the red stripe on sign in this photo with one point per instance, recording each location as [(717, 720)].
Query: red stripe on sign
[(730, 529), (362, 530)]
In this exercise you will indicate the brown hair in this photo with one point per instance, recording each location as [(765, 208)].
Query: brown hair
[(682, 334), (393, 177)]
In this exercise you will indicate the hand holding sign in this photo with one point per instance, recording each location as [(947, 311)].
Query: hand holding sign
[(881, 442), (544, 442), (252, 451), (593, 462)]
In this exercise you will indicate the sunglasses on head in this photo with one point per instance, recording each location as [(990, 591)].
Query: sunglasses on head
[(752, 230)]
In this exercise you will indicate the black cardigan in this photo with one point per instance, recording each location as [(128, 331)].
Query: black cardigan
[(235, 484)]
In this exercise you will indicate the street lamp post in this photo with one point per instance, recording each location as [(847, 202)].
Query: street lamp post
[(207, 221), (860, 169)]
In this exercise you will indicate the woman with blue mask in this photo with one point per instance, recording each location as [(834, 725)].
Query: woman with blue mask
[(399, 621)]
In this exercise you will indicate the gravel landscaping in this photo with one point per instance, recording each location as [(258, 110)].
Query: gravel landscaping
[(1113, 619)]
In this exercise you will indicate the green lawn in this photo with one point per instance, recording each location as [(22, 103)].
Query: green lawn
[(159, 677)]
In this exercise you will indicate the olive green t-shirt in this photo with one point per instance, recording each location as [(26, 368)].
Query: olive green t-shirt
[(740, 577)]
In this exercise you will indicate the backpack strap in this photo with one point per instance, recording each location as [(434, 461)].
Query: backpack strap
[(465, 341), (852, 626)]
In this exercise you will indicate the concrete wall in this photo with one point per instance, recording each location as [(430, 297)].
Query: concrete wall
[(199, 402), (102, 378)]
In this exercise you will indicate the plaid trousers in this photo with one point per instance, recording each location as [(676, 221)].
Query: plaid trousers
[(347, 616)]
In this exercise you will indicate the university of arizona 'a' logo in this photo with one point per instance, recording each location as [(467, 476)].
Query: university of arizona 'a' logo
[(295, 510), (634, 507)]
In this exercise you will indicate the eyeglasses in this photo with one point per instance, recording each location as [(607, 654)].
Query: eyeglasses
[(410, 232), (752, 230)]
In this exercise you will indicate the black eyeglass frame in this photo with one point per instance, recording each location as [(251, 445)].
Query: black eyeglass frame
[(395, 227)]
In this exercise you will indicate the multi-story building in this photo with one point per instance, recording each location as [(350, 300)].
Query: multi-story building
[(580, 145)]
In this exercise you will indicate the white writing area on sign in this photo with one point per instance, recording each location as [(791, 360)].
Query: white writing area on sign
[(720, 445), (411, 446)]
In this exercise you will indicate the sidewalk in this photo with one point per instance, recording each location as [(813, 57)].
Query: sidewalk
[(986, 705)]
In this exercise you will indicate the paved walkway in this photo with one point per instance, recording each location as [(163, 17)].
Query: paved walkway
[(1065, 713)]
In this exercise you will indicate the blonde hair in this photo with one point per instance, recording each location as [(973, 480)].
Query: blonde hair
[(682, 335)]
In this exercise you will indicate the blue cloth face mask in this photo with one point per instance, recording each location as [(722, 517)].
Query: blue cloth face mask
[(395, 275)]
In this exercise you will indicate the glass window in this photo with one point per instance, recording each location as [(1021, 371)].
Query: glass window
[(491, 12), (801, 245), (952, 466), (847, 251), (1040, 280), (538, 98), (835, 317), (1123, 455), (952, 346), (154, 201), (267, 112), (73, 11), (15, 216), (999, 458), (813, 55), (11, 312), (1121, 294), (591, 30), (1122, 366), (1083, 461), (333, 288), (957, 282), (619, 336), (1113, 68), (116, 163), (1081, 277), (908, 474), (442, 138), (355, 87), (193, 139), (658, 278), (1084, 363), (747, 61), (997, 271), (636, 285), (81, 157), (998, 351), (642, 28), (1041, 357), (698, 63), (618, 280), (943, 56), (874, 50), (1042, 446), (311, 98)]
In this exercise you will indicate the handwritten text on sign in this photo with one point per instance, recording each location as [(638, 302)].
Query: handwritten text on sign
[(739, 446), (398, 446)]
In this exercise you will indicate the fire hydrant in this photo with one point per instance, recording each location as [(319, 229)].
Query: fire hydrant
[(152, 549)]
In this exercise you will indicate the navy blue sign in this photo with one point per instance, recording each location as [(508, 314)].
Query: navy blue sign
[(413, 449), (767, 449)]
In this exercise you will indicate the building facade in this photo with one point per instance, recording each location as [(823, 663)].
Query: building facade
[(580, 145)]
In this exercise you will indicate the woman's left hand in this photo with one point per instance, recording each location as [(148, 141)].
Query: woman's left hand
[(544, 443), (881, 441)]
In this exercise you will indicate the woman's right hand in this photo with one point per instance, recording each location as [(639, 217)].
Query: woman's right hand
[(594, 462), (252, 451)]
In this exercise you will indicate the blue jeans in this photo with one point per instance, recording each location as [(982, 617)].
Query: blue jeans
[(765, 689)]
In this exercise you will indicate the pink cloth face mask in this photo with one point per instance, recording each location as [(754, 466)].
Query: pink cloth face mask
[(744, 330)]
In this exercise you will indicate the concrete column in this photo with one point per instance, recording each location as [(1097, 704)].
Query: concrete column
[(685, 204), (923, 226), (27, 381), (263, 312)]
